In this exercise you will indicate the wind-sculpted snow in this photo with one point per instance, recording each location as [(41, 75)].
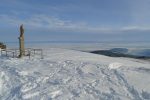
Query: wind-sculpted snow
[(49, 79)]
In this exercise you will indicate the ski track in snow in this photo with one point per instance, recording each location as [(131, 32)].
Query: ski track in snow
[(44, 79)]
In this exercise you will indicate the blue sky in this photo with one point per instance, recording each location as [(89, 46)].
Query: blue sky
[(75, 20)]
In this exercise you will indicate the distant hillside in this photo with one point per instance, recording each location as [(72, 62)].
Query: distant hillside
[(123, 52)]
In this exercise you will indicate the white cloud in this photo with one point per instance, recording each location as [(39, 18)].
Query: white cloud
[(37, 21), (49, 23)]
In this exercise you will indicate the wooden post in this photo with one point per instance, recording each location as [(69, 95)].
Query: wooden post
[(29, 54), (13, 54), (42, 54), (21, 42), (34, 51), (1, 52), (6, 52)]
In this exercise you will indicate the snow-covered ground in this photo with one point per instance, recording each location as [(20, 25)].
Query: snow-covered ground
[(74, 75)]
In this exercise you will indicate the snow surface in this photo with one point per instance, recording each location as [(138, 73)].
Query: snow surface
[(74, 75), (115, 65)]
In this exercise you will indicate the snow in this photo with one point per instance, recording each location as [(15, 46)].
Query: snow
[(114, 65), (30, 96), (73, 75), (1, 82), (55, 93)]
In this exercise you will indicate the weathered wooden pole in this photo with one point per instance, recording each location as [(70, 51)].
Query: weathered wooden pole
[(21, 42)]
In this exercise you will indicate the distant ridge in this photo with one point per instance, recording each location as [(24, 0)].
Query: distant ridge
[(123, 52)]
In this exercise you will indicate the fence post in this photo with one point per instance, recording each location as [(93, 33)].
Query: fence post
[(1, 52), (34, 51), (6, 53), (13, 54), (29, 54), (42, 54)]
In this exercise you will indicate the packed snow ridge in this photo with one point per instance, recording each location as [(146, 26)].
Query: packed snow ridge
[(74, 75)]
